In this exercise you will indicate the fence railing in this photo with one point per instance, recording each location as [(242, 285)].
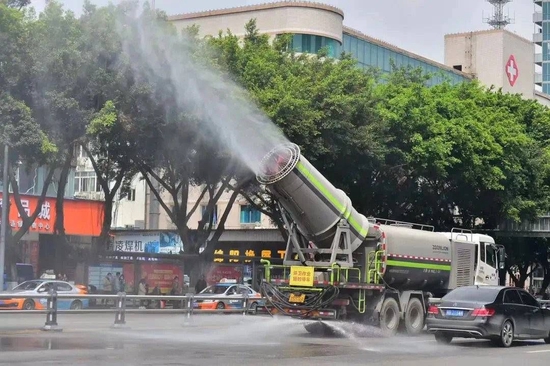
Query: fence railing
[(120, 309)]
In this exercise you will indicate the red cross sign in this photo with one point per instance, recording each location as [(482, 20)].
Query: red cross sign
[(512, 70)]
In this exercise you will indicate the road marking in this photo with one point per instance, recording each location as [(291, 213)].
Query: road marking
[(539, 351)]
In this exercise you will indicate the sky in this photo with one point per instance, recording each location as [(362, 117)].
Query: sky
[(417, 26)]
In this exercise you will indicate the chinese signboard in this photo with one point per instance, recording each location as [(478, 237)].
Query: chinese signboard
[(216, 273), (81, 217), (252, 253), (301, 276), (147, 242), (161, 276)]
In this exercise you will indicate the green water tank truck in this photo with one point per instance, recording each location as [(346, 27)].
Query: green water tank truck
[(341, 265)]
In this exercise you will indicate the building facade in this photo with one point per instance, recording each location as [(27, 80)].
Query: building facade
[(494, 57), (314, 26), (541, 40)]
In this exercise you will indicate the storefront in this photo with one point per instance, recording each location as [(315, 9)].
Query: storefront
[(41, 248), (153, 256)]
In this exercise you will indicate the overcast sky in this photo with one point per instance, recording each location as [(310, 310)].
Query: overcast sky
[(415, 25)]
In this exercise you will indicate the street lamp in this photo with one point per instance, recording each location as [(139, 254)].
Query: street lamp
[(5, 203)]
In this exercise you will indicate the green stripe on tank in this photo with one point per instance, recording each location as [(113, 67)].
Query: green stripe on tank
[(442, 267), (333, 200)]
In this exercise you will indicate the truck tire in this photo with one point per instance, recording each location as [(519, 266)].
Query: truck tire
[(389, 317), (414, 317)]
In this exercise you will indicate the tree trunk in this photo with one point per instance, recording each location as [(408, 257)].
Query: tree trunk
[(107, 221), (59, 226)]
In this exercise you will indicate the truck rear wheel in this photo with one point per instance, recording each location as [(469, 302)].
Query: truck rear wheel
[(414, 317), (389, 317)]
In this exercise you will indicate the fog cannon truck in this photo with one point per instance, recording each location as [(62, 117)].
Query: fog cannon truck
[(341, 265)]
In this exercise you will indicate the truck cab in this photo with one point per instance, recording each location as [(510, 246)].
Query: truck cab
[(490, 257)]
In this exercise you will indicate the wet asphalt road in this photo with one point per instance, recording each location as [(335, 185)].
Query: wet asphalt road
[(162, 339)]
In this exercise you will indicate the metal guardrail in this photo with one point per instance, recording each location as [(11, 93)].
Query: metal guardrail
[(120, 310)]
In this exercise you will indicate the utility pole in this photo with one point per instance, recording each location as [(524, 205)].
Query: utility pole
[(5, 204)]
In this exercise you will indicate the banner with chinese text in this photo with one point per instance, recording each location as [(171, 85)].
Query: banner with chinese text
[(147, 242), (81, 217)]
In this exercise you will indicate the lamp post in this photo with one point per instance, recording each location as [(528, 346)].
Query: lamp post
[(5, 203)]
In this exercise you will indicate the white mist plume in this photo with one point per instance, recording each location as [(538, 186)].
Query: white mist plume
[(221, 106)]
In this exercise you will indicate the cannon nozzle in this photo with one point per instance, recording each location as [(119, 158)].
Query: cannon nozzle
[(278, 163)]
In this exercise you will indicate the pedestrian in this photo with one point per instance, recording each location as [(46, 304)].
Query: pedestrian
[(107, 285), (116, 283), (200, 285), (142, 291), (122, 283)]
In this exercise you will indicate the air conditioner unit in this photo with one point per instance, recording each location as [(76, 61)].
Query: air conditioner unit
[(81, 195), (97, 196)]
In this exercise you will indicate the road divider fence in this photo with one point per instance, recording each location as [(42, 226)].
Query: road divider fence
[(239, 305)]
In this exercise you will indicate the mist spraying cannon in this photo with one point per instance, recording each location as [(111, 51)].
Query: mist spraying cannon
[(321, 213)]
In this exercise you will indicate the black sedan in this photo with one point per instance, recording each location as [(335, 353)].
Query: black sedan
[(501, 314)]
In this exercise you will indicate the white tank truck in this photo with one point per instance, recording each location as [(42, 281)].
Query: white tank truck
[(339, 265)]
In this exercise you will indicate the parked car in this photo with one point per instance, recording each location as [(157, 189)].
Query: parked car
[(40, 287), (501, 314), (228, 296)]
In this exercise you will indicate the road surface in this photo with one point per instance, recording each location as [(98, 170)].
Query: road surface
[(168, 339)]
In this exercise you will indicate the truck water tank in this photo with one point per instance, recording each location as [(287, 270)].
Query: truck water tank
[(313, 203), (416, 259)]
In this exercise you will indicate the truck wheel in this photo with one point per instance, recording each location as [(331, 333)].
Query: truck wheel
[(414, 317), (389, 317)]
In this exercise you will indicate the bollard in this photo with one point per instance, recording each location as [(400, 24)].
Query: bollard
[(51, 315), (120, 315), (245, 302), (189, 308)]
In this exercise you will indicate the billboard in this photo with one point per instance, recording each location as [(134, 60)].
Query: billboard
[(81, 217), (159, 242)]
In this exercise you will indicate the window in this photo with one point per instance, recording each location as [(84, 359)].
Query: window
[(491, 255), (308, 43), (131, 195), (214, 213), (511, 297), (528, 299), (63, 287), (472, 294), (250, 215), (86, 182)]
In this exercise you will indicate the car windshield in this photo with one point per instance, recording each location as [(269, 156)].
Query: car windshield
[(27, 286), (473, 294), (215, 289)]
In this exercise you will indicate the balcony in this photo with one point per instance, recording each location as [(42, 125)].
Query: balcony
[(538, 59), (538, 78), (537, 18), (537, 38)]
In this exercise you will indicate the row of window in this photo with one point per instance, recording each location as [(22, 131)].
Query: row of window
[(372, 55), (545, 11), (87, 182), (249, 215)]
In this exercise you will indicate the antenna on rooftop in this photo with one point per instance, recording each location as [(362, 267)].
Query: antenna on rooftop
[(498, 20)]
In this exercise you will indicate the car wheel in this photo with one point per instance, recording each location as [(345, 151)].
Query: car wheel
[(28, 305), (443, 338), (506, 334), (220, 306), (76, 305), (547, 339), (414, 317), (389, 317), (253, 308)]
